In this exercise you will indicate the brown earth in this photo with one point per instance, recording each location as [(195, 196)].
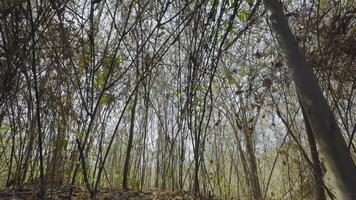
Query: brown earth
[(80, 193)]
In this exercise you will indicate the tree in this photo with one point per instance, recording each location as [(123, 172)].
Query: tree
[(129, 144), (322, 122), (170, 95)]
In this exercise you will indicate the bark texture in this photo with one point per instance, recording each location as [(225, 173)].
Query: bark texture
[(328, 136)]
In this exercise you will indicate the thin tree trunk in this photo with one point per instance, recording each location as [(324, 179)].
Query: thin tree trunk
[(181, 162), (196, 165), (37, 98), (158, 163), (317, 172), (10, 180), (332, 145), (129, 144), (143, 170)]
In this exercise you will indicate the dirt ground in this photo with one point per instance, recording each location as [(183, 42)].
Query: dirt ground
[(80, 193)]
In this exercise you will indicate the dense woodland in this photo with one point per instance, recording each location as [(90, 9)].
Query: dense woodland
[(230, 99)]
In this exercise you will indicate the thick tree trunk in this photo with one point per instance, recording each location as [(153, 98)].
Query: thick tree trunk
[(254, 180), (245, 170), (55, 172), (328, 136)]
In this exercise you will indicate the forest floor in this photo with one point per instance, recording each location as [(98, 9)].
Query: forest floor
[(80, 193)]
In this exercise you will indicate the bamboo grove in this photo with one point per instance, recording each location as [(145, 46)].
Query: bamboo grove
[(179, 95)]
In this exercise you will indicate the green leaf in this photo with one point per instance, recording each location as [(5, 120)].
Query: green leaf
[(108, 59), (243, 15), (4, 128), (64, 143), (104, 99), (101, 77), (242, 71), (197, 100), (141, 95), (230, 79), (216, 89), (211, 2), (214, 3), (177, 93), (118, 60), (250, 2)]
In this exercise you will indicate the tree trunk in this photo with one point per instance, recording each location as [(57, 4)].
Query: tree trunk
[(332, 145), (129, 144), (181, 162), (245, 169), (196, 165), (158, 151), (317, 172), (55, 170), (255, 183), (143, 170)]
